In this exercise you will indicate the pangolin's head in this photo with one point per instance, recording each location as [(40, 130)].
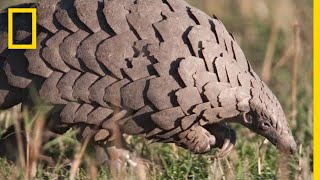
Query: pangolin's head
[(267, 118)]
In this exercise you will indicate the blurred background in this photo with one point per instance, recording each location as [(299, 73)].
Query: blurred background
[(277, 38)]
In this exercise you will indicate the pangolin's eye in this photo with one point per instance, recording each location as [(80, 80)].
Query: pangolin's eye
[(264, 125), (249, 117)]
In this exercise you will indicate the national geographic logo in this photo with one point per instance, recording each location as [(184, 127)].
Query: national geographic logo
[(11, 12)]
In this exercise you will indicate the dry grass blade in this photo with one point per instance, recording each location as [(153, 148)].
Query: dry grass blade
[(17, 128), (92, 169), (35, 146), (286, 55), (175, 151), (213, 168), (34, 133), (78, 158), (246, 169), (283, 167), (260, 155), (267, 63), (231, 169), (259, 158), (295, 70), (221, 169)]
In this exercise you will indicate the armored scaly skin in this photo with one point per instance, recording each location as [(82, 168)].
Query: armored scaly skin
[(162, 69)]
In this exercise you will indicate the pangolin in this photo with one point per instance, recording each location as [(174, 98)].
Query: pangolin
[(161, 69)]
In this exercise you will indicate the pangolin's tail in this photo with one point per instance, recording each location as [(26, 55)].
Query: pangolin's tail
[(12, 62)]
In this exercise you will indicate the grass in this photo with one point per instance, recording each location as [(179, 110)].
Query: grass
[(253, 158)]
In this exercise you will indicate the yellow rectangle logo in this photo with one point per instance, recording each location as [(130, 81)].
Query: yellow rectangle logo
[(33, 44)]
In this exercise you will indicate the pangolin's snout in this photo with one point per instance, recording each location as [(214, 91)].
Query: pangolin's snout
[(293, 148), (287, 144)]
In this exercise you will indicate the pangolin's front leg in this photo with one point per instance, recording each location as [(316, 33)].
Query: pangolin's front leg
[(200, 139), (197, 139), (225, 137)]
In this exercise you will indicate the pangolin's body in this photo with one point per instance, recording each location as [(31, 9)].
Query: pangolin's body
[(158, 68)]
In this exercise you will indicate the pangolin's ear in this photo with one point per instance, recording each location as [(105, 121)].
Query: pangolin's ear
[(247, 117)]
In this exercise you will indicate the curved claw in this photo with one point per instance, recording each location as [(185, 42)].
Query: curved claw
[(228, 145), (225, 145), (225, 138), (227, 151)]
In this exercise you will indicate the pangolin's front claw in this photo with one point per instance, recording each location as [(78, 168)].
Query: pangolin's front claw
[(226, 151), (225, 138), (228, 144), (225, 145)]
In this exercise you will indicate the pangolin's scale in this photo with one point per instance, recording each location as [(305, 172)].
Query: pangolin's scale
[(158, 68)]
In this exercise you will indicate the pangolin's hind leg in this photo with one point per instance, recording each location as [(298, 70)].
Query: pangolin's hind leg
[(116, 155)]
